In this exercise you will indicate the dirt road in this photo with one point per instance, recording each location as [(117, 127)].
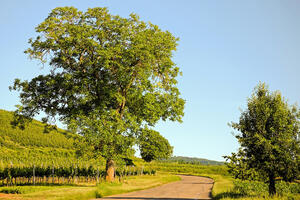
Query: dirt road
[(190, 187)]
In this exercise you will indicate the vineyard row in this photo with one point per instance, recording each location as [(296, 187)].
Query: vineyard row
[(62, 175)]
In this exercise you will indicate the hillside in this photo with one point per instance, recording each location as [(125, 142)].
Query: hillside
[(193, 160), (32, 144)]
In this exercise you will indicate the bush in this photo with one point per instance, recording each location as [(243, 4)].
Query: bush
[(256, 188), (250, 188)]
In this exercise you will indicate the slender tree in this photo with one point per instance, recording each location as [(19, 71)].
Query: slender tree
[(269, 137), (109, 77)]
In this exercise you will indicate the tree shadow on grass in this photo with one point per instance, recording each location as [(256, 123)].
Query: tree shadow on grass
[(232, 195)]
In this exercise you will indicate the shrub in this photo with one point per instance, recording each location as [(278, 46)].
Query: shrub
[(256, 188)]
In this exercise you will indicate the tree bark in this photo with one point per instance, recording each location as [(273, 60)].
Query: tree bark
[(110, 170), (272, 188)]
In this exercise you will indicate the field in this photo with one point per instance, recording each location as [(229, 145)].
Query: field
[(37, 165), (224, 187), (32, 145)]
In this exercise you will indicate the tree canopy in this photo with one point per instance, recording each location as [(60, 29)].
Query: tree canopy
[(269, 138), (154, 146), (109, 76)]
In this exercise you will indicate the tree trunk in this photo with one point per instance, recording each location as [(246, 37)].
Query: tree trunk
[(110, 170), (272, 188)]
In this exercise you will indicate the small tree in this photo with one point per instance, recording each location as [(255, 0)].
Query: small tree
[(269, 137), (109, 77), (154, 146)]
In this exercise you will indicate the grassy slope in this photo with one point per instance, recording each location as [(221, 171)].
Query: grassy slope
[(33, 135), (32, 144)]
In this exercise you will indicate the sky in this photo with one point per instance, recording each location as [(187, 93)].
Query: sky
[(225, 49)]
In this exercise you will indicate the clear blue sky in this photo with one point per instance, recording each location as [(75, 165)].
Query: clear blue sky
[(225, 49)]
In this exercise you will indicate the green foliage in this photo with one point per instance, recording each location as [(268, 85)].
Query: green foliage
[(108, 136), (256, 188), (240, 169), (154, 146), (109, 77), (269, 137)]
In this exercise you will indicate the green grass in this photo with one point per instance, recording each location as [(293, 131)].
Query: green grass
[(224, 190), (133, 183), (29, 189), (221, 184), (71, 192)]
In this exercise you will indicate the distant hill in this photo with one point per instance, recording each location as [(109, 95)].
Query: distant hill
[(193, 160)]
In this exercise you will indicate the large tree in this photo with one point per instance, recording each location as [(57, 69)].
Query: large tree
[(269, 137), (109, 77)]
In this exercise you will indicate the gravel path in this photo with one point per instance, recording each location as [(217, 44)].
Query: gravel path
[(190, 187)]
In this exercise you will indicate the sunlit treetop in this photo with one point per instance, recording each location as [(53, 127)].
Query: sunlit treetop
[(109, 76), (104, 62)]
